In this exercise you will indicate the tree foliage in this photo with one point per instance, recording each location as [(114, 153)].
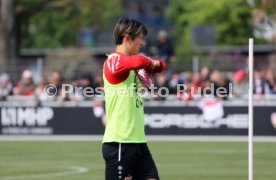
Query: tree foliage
[(266, 5), (231, 18), (57, 22), (7, 37)]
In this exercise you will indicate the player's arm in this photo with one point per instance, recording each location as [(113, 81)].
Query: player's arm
[(158, 66), (127, 63), (116, 68)]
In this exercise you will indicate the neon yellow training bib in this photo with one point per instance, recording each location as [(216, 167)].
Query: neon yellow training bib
[(124, 111)]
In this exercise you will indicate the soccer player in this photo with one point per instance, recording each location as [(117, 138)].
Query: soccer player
[(124, 147)]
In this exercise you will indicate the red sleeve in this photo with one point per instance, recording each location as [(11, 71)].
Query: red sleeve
[(117, 67), (124, 64)]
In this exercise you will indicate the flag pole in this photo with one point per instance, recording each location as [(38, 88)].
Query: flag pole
[(250, 112)]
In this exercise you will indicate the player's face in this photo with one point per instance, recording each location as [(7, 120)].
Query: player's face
[(136, 44)]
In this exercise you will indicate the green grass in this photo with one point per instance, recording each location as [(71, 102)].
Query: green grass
[(175, 160)]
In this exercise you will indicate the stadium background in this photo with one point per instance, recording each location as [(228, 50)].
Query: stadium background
[(204, 41)]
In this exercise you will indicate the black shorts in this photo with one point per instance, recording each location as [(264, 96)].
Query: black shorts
[(128, 160)]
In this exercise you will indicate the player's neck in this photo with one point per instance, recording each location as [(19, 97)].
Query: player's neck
[(121, 49)]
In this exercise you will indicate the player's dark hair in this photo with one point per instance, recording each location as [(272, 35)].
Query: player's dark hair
[(127, 26)]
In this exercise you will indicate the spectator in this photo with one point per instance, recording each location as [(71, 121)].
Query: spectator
[(220, 81), (165, 48), (86, 81), (270, 83), (40, 90), (173, 81), (76, 93), (25, 87), (185, 80), (160, 81), (5, 86), (56, 80), (99, 79), (196, 85), (240, 86), (259, 83), (205, 73)]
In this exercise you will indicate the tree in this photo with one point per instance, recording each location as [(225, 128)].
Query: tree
[(232, 20), (7, 33), (57, 25), (264, 16), (48, 23), (10, 22)]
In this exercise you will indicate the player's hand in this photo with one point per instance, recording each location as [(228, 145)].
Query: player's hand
[(155, 64), (158, 66)]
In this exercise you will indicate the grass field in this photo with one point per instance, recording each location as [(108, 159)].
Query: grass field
[(55, 160)]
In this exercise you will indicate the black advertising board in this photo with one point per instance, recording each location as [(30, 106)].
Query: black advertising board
[(159, 120)]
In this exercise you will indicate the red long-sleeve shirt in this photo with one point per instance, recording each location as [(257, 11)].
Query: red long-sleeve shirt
[(117, 66)]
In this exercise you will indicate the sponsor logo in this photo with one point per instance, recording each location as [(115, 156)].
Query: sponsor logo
[(26, 120), (194, 121)]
